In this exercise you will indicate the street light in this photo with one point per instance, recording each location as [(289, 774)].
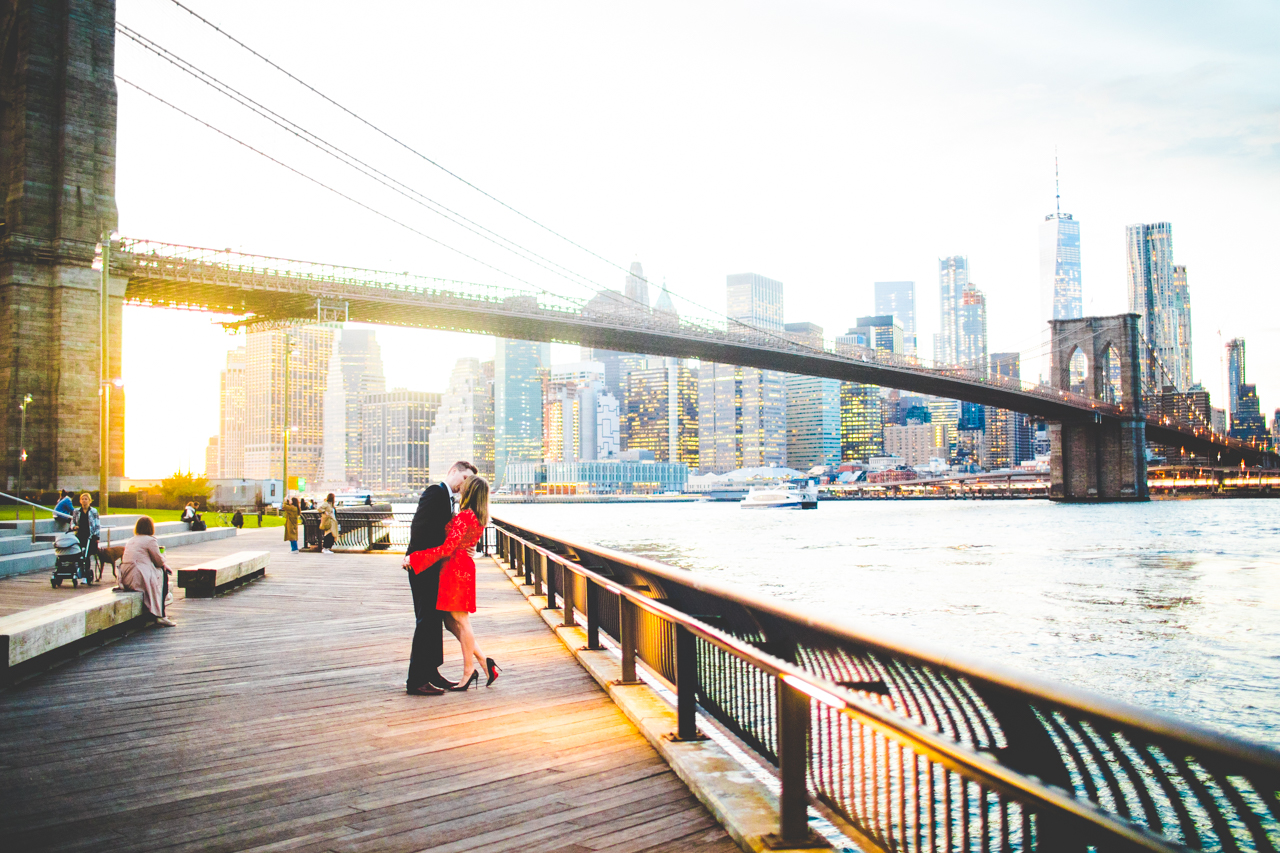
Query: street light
[(288, 351), (22, 440)]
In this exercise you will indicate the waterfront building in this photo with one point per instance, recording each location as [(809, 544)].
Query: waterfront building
[(1158, 291), (915, 444), (1061, 292), (397, 441), (1218, 420), (629, 475), (1009, 434), (582, 419), (899, 299), (312, 347), (662, 411), (971, 329), (1248, 423), (813, 421), (355, 372), (944, 414), (232, 423), (1189, 407), (463, 426), (719, 418), (742, 410), (211, 459), (1235, 373), (953, 279), (861, 421), (971, 435), (518, 369)]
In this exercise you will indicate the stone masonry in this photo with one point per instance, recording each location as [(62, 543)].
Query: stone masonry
[(57, 160)]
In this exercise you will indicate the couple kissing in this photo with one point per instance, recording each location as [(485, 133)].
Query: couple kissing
[(442, 577)]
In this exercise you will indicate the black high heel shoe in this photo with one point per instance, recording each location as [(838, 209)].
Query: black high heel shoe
[(492, 669), (459, 688)]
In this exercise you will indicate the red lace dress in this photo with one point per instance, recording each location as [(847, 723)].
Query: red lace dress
[(458, 574)]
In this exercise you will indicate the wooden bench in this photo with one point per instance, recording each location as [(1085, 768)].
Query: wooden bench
[(65, 624), (208, 579)]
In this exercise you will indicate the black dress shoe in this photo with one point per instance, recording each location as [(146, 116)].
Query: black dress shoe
[(425, 690), (441, 682)]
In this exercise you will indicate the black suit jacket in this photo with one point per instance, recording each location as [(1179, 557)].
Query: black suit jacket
[(435, 508)]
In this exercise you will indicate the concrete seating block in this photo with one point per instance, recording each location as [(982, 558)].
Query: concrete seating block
[(207, 579), (32, 633)]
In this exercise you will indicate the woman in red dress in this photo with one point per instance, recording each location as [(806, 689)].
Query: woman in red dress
[(458, 577)]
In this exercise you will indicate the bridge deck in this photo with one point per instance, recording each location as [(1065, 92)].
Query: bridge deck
[(275, 718)]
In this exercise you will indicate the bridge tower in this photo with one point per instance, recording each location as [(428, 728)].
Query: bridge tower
[(1103, 458), (57, 165)]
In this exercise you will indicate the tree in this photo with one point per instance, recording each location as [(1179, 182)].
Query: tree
[(179, 488)]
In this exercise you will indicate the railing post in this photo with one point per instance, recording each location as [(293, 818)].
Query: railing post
[(594, 595), (566, 594), (537, 567), (628, 638), (526, 565), (686, 685), (793, 755)]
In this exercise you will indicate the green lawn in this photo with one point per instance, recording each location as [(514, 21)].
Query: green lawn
[(8, 513)]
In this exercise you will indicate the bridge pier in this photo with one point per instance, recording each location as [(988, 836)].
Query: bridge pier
[(57, 164), (1103, 458)]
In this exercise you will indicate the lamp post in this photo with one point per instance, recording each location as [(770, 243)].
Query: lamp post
[(105, 468), (288, 351), (22, 440)]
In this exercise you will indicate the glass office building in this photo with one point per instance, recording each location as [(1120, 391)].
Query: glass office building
[(899, 299), (518, 369), (1061, 293)]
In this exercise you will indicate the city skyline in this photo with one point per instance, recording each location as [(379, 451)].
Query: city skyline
[(1135, 151)]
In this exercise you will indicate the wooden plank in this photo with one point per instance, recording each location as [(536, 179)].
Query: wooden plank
[(276, 719)]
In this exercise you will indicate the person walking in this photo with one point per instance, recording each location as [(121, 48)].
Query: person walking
[(85, 524), (435, 508), (291, 512), (457, 594), (328, 524)]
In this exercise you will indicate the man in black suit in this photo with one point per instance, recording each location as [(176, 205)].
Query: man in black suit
[(435, 508)]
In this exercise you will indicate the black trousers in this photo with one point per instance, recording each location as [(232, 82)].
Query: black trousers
[(428, 634)]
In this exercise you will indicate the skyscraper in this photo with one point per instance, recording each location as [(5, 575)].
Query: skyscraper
[(1008, 439), (517, 402), (719, 418), (953, 278), (971, 329), (758, 436), (1061, 293), (813, 409), (264, 401), (1158, 291), (355, 371), (662, 411), (232, 422), (397, 440), (861, 421), (463, 426), (1235, 374), (899, 299), (637, 286), (1249, 424)]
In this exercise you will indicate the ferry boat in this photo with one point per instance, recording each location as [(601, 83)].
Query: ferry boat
[(785, 496)]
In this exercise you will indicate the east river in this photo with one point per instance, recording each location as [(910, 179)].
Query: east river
[(1170, 605)]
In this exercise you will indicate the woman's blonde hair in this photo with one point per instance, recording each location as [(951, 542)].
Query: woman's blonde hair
[(475, 497)]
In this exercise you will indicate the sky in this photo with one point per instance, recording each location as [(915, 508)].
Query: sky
[(828, 145)]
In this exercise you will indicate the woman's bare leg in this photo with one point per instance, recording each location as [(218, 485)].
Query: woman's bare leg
[(470, 651)]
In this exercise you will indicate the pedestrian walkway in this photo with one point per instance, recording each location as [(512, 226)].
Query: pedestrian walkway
[(275, 718)]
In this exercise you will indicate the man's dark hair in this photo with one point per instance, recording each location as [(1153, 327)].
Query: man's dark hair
[(463, 465)]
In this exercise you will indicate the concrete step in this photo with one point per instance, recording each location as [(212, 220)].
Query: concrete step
[(50, 525), (23, 544), (44, 559)]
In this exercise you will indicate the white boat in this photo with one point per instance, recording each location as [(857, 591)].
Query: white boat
[(785, 496)]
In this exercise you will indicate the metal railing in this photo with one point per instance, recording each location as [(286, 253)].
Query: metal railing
[(359, 529), (906, 749)]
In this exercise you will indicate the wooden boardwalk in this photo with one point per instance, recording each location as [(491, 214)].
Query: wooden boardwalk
[(274, 718)]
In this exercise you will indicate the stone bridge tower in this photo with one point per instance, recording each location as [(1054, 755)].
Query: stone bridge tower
[(1104, 458), (57, 163)]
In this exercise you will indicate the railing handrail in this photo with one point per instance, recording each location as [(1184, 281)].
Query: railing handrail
[(1219, 754), (1043, 689), (47, 509), (835, 696)]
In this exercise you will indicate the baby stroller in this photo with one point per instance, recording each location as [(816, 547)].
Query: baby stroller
[(74, 562)]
